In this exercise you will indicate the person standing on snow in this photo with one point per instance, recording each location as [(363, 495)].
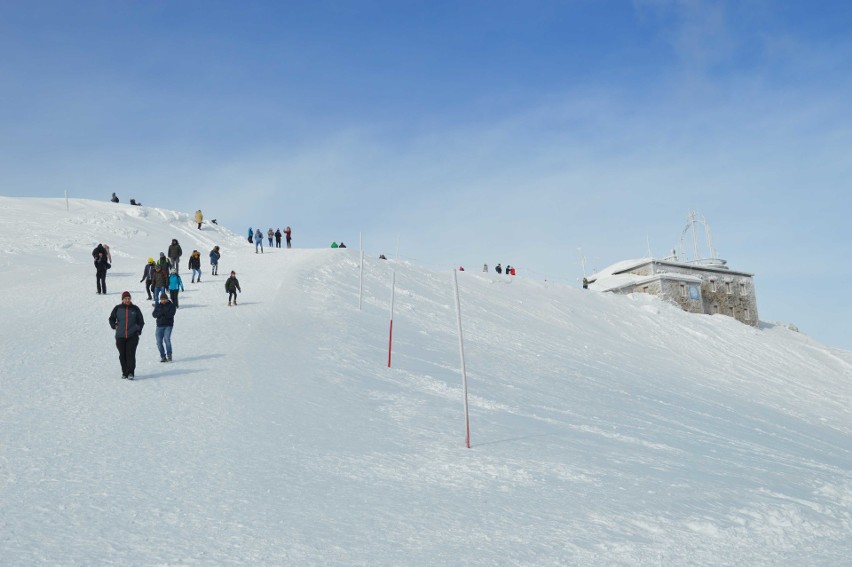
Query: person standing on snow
[(127, 321), (164, 312), (160, 279), (175, 287), (175, 252), (147, 276), (269, 234), (232, 286), (199, 218), (258, 240), (251, 233), (114, 199), (101, 267), (195, 265), (278, 238), (288, 233), (214, 261)]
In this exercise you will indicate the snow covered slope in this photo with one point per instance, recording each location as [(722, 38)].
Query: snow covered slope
[(606, 430)]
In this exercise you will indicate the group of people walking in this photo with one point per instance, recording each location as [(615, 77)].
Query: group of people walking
[(255, 236), (162, 285)]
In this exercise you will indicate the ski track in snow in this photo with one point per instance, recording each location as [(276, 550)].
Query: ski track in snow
[(606, 430)]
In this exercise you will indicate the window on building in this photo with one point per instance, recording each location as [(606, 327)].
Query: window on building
[(747, 314), (645, 289), (713, 286), (731, 311), (729, 289), (715, 308), (682, 290), (743, 289)]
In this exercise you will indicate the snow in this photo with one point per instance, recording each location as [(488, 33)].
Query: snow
[(606, 430)]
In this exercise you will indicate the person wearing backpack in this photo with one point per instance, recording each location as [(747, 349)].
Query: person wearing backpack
[(232, 286), (101, 267)]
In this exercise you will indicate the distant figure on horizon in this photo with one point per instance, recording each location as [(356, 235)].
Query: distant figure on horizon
[(133, 202), (484, 267), (498, 268), (258, 240), (585, 283), (269, 234), (114, 199), (278, 238), (461, 268), (251, 233), (288, 233), (382, 257), (342, 245), (334, 244), (199, 218)]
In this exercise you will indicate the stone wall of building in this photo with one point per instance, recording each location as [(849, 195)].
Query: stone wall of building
[(721, 291)]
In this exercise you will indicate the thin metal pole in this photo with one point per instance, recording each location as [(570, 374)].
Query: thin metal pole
[(390, 333), (361, 281), (461, 354)]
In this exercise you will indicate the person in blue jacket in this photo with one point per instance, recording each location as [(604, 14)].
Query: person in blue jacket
[(175, 286), (164, 313), (127, 321), (251, 234), (214, 260), (258, 241)]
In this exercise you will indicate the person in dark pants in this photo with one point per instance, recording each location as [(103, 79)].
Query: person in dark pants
[(232, 286), (101, 267), (175, 287), (148, 276), (127, 321), (164, 312)]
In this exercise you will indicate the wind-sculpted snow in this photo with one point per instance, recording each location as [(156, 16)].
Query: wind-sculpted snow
[(606, 430)]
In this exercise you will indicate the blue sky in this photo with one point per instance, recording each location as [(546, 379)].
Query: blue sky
[(468, 132)]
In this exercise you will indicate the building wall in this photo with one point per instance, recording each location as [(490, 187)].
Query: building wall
[(721, 291)]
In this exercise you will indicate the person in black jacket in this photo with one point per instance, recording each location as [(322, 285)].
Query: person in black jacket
[(195, 265), (175, 252), (101, 267), (127, 321), (164, 312), (232, 286)]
